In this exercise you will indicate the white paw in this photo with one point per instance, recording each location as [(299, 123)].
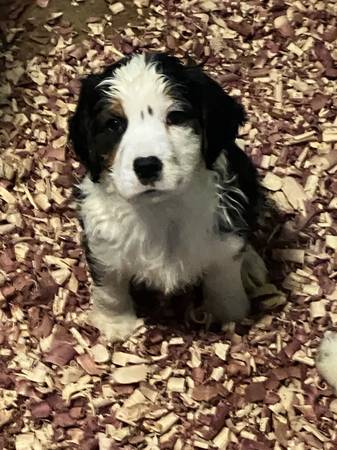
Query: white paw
[(326, 361), (117, 327)]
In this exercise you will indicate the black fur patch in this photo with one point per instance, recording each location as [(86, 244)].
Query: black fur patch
[(78, 194), (92, 140), (218, 114), (247, 178), (242, 210)]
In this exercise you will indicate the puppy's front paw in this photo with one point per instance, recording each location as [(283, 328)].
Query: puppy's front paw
[(326, 361), (116, 327)]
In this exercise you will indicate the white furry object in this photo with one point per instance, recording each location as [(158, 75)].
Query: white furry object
[(326, 361)]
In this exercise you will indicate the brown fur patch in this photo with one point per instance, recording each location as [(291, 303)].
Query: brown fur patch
[(116, 108), (112, 108), (109, 158), (112, 155)]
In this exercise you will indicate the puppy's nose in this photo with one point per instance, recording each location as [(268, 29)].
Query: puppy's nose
[(148, 169)]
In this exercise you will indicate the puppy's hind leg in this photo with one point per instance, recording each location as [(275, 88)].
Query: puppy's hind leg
[(224, 295), (254, 272)]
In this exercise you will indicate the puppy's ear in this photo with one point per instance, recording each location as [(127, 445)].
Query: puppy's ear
[(220, 115), (80, 125), (221, 118), (83, 130)]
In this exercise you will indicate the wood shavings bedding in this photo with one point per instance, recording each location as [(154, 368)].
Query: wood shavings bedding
[(250, 386)]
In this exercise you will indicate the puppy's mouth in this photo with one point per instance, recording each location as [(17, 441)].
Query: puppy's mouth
[(151, 195), (151, 192)]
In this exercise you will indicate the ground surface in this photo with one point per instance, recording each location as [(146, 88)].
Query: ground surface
[(252, 387)]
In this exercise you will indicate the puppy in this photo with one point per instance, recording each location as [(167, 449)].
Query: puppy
[(169, 198)]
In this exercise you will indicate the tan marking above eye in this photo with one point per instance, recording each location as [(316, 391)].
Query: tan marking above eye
[(116, 108), (111, 108)]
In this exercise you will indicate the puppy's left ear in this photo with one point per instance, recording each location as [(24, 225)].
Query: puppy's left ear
[(221, 115)]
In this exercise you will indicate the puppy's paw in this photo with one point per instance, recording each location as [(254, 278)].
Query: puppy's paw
[(238, 312), (228, 310), (116, 327), (326, 361)]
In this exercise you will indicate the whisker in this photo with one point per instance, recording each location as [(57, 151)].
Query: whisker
[(231, 199)]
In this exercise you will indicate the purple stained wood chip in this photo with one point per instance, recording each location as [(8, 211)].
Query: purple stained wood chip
[(255, 392)]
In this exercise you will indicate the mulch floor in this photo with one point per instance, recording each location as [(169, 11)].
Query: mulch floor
[(253, 386)]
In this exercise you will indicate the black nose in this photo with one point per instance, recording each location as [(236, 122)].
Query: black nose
[(148, 169)]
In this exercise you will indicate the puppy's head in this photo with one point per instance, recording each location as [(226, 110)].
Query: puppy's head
[(148, 124)]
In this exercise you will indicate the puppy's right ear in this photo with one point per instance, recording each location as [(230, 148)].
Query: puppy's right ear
[(81, 124)]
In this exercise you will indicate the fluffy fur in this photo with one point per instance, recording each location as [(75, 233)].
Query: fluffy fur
[(326, 361), (175, 222)]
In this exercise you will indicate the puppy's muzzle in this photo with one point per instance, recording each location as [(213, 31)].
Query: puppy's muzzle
[(148, 170)]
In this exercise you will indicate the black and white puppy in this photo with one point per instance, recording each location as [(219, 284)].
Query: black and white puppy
[(169, 197)]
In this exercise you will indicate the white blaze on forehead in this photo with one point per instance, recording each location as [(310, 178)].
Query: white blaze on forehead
[(138, 86)]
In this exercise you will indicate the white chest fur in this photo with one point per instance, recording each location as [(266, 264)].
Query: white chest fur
[(167, 244)]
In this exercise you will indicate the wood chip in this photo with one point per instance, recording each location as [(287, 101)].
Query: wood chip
[(88, 364), (291, 254), (60, 275), (223, 439), (7, 196), (175, 384), (330, 134), (41, 200), (5, 417), (130, 374), (122, 359), (294, 193), (318, 309), (100, 353), (166, 422), (331, 241), (116, 8), (221, 350), (255, 392)]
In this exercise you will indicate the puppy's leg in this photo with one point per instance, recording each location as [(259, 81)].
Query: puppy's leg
[(326, 361), (254, 272), (224, 295), (112, 311)]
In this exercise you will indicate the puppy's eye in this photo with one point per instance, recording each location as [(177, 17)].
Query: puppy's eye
[(116, 124), (177, 117)]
